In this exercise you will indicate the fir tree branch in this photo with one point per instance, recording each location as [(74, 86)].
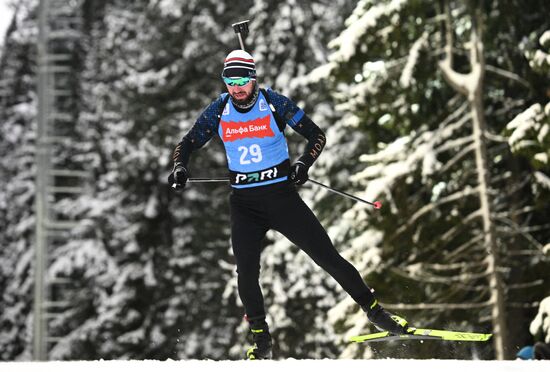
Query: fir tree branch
[(466, 84), (515, 213), (458, 157), (458, 142), (534, 283), (440, 279), (452, 266), (495, 137), (527, 252), (462, 248), (508, 75), (447, 236), (520, 231), (523, 305), (455, 79), (431, 206), (526, 229), (433, 306)]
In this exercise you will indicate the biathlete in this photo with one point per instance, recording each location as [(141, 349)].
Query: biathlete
[(250, 122)]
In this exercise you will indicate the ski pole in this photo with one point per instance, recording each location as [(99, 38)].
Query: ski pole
[(202, 180), (199, 180), (377, 204)]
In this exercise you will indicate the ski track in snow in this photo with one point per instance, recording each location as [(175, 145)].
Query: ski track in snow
[(379, 365)]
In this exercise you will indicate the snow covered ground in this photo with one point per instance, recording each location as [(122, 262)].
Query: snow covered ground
[(384, 365)]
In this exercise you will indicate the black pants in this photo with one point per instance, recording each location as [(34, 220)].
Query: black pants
[(256, 210)]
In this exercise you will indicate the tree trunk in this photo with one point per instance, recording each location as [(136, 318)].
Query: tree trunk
[(498, 308), (471, 85)]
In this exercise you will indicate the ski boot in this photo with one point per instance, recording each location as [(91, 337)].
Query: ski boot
[(262, 348), (385, 321)]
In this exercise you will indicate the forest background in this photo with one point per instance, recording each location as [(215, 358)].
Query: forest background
[(438, 108)]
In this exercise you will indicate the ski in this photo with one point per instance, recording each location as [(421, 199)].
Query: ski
[(424, 334)]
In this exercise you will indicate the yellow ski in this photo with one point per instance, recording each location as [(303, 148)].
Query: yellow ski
[(424, 334)]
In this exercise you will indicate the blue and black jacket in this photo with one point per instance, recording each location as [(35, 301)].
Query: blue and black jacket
[(254, 139)]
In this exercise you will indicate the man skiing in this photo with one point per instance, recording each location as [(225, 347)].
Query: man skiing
[(250, 122)]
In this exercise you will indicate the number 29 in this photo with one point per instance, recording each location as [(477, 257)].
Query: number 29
[(252, 153)]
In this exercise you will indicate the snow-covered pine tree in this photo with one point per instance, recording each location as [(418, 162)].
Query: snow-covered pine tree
[(156, 270), (150, 269), (540, 327), (412, 134), (154, 291), (529, 132)]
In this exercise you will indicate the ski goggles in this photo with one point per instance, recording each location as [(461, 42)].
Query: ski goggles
[(237, 81)]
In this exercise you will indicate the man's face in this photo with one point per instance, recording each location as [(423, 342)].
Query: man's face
[(241, 93)]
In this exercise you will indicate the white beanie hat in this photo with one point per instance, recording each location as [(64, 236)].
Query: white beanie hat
[(239, 63)]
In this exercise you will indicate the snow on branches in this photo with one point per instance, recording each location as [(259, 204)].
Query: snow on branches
[(530, 133), (540, 326)]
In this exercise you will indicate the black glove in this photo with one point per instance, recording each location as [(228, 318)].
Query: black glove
[(178, 177), (298, 173)]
